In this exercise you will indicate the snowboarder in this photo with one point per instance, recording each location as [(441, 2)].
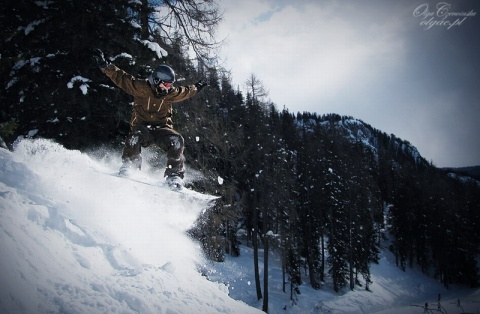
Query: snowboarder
[(151, 119)]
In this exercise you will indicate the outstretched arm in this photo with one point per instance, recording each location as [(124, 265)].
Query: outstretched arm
[(127, 82), (121, 78), (184, 92)]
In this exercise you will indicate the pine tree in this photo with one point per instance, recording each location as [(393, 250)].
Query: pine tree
[(53, 80), (254, 172)]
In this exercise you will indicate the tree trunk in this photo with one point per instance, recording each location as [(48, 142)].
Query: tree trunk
[(265, 272), (228, 246), (284, 262), (322, 265), (255, 249), (144, 13), (350, 250), (311, 270)]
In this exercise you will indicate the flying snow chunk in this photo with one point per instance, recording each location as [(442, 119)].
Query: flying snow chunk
[(197, 138), (32, 133), (220, 180)]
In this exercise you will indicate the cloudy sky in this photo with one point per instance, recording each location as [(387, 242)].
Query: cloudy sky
[(409, 67)]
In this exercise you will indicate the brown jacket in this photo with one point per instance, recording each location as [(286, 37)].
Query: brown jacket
[(149, 106)]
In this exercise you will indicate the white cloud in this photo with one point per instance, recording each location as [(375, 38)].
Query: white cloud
[(311, 48)]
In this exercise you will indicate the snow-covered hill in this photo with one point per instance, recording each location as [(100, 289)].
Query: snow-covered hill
[(392, 291), (74, 239)]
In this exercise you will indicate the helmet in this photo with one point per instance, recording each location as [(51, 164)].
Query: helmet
[(163, 73)]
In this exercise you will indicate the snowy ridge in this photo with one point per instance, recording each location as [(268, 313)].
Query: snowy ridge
[(358, 131), (75, 240), (355, 130), (464, 179)]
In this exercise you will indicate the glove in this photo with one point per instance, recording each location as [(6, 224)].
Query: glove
[(100, 57), (200, 85)]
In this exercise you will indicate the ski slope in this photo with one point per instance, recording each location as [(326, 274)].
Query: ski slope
[(75, 240)]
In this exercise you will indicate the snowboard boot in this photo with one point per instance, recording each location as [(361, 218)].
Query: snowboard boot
[(128, 167), (174, 182)]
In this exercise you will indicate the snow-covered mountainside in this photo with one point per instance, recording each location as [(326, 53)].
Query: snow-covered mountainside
[(465, 174), (357, 131), (74, 239)]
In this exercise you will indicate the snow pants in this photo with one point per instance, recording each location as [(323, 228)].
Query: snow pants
[(164, 137)]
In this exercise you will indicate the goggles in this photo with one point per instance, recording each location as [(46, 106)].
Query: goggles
[(158, 81)]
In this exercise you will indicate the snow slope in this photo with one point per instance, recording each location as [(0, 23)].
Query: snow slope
[(392, 291), (76, 240)]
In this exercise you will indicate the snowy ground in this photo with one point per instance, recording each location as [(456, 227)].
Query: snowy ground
[(392, 291), (74, 239)]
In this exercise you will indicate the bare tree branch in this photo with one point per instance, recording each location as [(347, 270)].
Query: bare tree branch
[(256, 87), (195, 22)]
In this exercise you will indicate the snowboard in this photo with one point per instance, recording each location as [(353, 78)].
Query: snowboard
[(185, 192)]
